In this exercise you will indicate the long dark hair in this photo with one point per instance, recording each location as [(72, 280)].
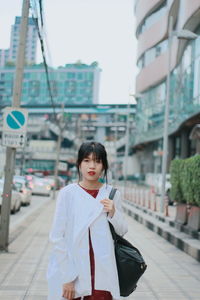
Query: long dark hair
[(99, 152)]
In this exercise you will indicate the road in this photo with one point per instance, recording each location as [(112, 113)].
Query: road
[(25, 211), (171, 274)]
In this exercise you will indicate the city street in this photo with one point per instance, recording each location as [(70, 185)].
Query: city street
[(25, 211), (171, 274)]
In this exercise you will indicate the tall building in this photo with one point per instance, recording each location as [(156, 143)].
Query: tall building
[(31, 41), (72, 84), (152, 20), (4, 54)]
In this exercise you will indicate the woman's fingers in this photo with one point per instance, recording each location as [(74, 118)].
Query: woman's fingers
[(68, 291), (69, 295)]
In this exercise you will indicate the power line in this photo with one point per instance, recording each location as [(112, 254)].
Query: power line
[(34, 10), (41, 13)]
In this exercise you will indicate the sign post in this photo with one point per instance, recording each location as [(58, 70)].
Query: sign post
[(13, 121), (14, 127)]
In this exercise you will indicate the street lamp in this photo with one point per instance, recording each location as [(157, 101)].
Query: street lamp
[(182, 34), (136, 96)]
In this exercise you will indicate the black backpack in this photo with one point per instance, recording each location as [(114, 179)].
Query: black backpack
[(130, 263)]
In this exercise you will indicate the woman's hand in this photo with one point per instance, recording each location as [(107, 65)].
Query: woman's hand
[(68, 290), (109, 206)]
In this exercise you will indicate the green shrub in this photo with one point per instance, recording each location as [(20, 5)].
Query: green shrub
[(196, 179), (175, 192), (185, 180)]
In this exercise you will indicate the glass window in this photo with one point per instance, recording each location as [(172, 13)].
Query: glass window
[(153, 17), (71, 75), (196, 92), (150, 55), (70, 88), (80, 76), (197, 47), (34, 88), (54, 88), (187, 57)]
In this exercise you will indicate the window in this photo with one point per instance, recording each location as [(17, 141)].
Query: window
[(153, 18), (34, 88), (150, 55), (70, 88), (71, 75), (54, 88), (80, 75)]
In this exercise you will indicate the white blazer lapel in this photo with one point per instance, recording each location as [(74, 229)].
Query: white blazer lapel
[(86, 211)]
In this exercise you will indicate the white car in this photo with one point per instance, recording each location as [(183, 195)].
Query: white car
[(41, 186), (15, 199), (24, 189), (52, 182)]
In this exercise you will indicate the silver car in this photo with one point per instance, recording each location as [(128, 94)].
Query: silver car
[(15, 199), (24, 189), (41, 186)]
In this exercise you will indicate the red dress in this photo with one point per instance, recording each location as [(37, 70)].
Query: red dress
[(96, 294)]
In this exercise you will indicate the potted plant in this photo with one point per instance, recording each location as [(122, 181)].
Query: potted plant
[(185, 180), (176, 193)]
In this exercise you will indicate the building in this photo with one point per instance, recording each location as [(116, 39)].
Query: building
[(4, 55), (104, 123), (73, 84), (152, 19), (31, 41)]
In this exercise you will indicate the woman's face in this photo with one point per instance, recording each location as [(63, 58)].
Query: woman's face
[(91, 168)]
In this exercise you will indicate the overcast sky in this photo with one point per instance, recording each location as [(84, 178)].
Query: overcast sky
[(87, 30)]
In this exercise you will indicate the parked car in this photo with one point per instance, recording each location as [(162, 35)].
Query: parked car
[(51, 181), (41, 186), (15, 198), (29, 179), (23, 187)]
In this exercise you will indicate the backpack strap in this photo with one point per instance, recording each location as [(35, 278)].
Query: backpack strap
[(112, 193)]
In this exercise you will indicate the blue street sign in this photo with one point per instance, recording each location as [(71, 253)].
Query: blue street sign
[(15, 119)]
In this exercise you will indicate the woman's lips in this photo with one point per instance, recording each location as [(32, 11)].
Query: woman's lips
[(91, 173)]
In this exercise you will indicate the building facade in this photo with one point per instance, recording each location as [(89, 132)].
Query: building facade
[(152, 20), (4, 55), (104, 123), (31, 41), (72, 84)]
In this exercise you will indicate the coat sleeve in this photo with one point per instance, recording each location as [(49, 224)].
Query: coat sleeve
[(118, 220), (61, 251)]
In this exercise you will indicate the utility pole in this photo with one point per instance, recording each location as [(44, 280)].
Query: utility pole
[(115, 145), (10, 152), (127, 144), (58, 148)]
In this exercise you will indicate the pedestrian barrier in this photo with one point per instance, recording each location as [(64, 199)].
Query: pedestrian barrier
[(144, 197)]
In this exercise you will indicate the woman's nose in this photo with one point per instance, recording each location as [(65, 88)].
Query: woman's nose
[(92, 164)]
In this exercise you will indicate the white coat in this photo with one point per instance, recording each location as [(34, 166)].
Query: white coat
[(76, 211)]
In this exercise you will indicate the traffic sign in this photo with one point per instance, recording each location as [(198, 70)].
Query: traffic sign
[(14, 127)]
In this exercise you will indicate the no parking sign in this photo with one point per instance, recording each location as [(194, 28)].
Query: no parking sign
[(14, 127)]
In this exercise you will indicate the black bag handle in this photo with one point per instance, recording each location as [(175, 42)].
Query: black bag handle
[(112, 193), (111, 197)]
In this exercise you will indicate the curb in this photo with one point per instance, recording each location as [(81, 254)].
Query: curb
[(155, 223)]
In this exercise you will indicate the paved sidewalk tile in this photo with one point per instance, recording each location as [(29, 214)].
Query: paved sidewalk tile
[(171, 274)]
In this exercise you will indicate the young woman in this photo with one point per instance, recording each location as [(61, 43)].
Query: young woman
[(82, 263)]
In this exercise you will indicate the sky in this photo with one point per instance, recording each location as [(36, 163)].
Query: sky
[(87, 30)]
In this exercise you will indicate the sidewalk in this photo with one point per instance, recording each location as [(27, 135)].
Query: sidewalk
[(171, 274), (144, 207), (23, 269)]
